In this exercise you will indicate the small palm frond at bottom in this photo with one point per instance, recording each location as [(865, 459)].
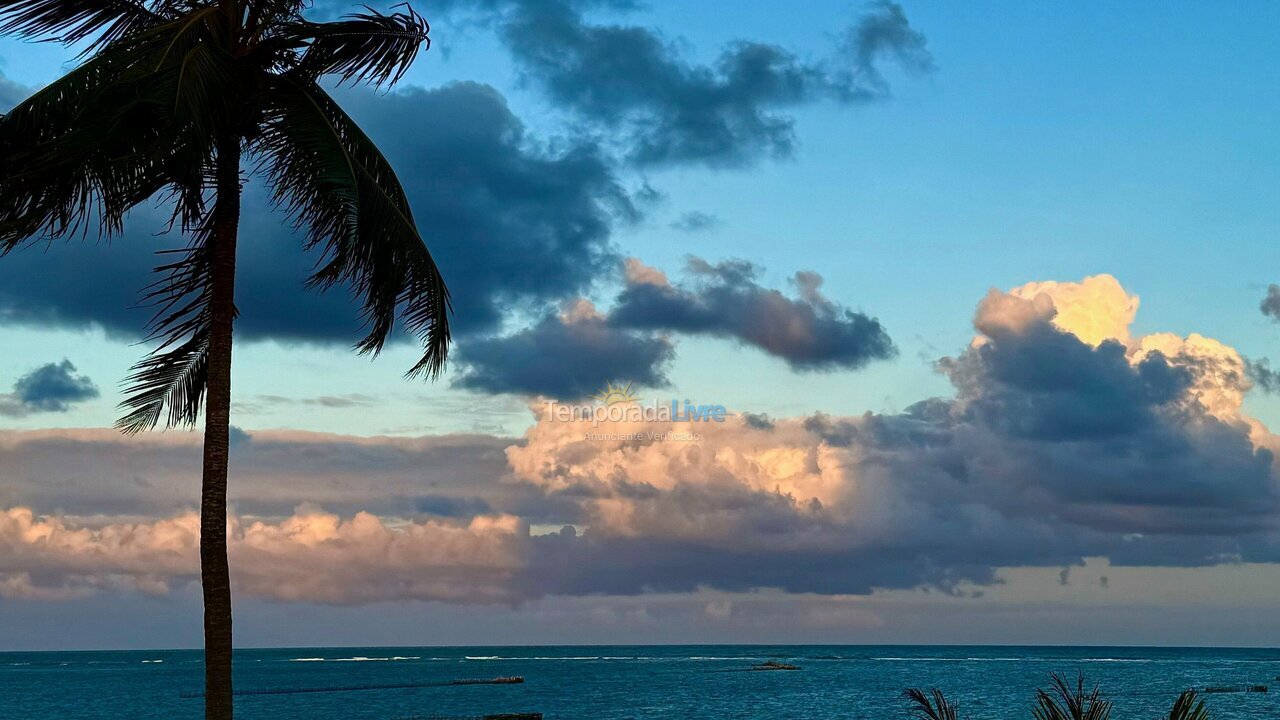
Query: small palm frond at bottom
[(932, 705), (1065, 702), (1189, 706)]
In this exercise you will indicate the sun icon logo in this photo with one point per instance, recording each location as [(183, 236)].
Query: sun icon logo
[(614, 394)]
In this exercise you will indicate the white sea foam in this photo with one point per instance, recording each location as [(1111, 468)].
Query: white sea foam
[(357, 658)]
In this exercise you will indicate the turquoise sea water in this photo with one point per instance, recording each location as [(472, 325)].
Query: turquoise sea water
[(617, 682)]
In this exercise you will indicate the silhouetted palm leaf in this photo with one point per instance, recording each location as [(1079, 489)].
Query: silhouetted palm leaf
[(71, 21), (1064, 702), (930, 706), (339, 188), (1189, 706), (363, 47)]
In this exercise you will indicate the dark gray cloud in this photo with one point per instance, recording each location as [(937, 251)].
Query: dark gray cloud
[(1262, 376), (1270, 305), (566, 357), (695, 222), (1079, 431), (725, 300), (571, 355), (451, 506), (509, 221), (54, 387), (1045, 384), (883, 32), (668, 110)]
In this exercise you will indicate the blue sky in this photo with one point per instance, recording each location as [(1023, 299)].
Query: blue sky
[(1047, 142)]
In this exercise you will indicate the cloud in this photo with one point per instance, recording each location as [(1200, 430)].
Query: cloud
[(1270, 305), (98, 472), (1263, 377), (695, 222), (882, 32), (509, 219), (1094, 309), (573, 354), (310, 556), (11, 93), (568, 356), (53, 387), (633, 82), (1055, 447), (348, 400), (725, 300)]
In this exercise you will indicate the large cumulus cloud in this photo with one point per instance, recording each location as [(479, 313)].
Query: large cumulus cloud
[(1054, 448)]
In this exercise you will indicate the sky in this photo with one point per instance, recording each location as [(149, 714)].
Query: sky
[(984, 289)]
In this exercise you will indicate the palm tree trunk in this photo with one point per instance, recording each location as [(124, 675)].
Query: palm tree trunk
[(214, 575)]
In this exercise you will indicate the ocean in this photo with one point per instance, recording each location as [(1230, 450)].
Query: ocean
[(620, 682)]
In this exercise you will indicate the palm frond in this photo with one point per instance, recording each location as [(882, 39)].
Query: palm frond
[(1064, 702), (363, 47), (930, 706), (343, 193), (70, 21), (1189, 706), (138, 116), (175, 373)]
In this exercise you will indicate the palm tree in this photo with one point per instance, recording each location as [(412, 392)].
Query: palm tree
[(167, 97), (1064, 702)]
